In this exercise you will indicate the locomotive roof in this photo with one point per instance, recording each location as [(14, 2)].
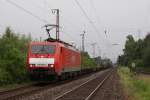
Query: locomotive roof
[(60, 41), (54, 41), (41, 42), (50, 42)]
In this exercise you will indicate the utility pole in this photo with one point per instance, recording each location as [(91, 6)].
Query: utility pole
[(83, 49), (40, 38), (104, 55), (49, 27), (99, 58), (139, 33), (93, 46), (83, 38), (99, 52), (57, 22), (105, 31)]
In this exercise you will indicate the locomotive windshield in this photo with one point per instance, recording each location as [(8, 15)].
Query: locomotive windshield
[(43, 49)]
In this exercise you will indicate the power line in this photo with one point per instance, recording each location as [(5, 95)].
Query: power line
[(26, 11), (95, 11), (92, 24), (83, 11), (87, 17), (45, 2), (90, 21), (38, 5), (46, 5), (67, 34), (98, 19)]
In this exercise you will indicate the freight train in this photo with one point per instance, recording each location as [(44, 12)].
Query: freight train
[(55, 58)]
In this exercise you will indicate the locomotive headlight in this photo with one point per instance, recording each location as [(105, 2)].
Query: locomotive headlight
[(31, 65), (51, 66)]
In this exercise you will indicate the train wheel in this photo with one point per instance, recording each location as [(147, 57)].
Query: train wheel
[(61, 77)]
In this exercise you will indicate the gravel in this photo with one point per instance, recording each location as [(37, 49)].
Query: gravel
[(111, 90), (50, 94)]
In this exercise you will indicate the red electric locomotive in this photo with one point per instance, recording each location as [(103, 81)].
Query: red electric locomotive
[(49, 58)]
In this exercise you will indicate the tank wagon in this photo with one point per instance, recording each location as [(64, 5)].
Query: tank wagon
[(52, 58)]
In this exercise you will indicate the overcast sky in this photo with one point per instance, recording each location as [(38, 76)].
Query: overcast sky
[(118, 17)]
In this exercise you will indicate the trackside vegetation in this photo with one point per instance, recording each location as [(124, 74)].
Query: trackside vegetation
[(135, 87), (137, 52), (135, 58), (12, 57), (86, 60)]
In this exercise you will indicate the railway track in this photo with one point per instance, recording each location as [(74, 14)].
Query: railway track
[(26, 91), (144, 72), (86, 90)]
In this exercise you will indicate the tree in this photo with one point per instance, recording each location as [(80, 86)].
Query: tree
[(87, 61), (146, 51), (129, 51), (12, 60), (136, 51)]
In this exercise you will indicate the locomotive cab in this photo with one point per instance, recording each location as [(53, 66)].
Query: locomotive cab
[(41, 59)]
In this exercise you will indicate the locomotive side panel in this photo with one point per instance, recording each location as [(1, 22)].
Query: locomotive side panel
[(70, 60)]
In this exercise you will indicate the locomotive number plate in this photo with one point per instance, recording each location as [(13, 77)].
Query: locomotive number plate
[(41, 64)]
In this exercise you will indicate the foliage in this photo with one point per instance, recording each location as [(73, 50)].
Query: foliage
[(136, 51), (135, 87), (86, 60), (139, 63), (106, 62), (146, 56), (12, 57)]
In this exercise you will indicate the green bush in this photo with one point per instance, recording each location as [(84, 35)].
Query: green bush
[(12, 58), (146, 56), (139, 63), (87, 62)]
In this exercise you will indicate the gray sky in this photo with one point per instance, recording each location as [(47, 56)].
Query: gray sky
[(118, 17)]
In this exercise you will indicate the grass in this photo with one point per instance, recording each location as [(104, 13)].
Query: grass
[(145, 78), (135, 87)]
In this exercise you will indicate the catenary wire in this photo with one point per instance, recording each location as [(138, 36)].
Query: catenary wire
[(26, 11)]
